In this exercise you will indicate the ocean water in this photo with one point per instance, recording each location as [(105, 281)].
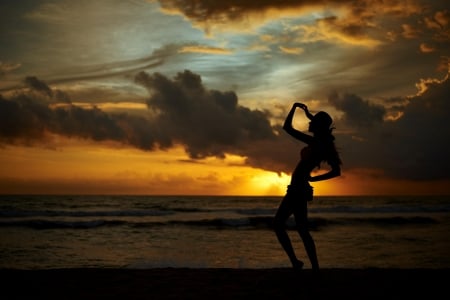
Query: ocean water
[(41, 232)]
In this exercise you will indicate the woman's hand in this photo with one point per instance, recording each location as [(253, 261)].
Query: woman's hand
[(301, 105), (287, 126), (305, 109)]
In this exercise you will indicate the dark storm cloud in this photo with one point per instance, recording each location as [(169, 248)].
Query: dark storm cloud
[(22, 118), (38, 85), (224, 11), (358, 18), (232, 9), (202, 10), (357, 112), (426, 138), (415, 146), (212, 123), (28, 116), (208, 122)]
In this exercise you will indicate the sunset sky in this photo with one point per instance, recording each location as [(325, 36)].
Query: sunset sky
[(188, 97)]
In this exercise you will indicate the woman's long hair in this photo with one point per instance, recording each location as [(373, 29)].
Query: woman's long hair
[(324, 138)]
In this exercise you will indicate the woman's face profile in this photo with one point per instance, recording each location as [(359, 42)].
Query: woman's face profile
[(313, 125)]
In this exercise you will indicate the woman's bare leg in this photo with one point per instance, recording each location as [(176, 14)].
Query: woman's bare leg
[(282, 215), (301, 220), (310, 248)]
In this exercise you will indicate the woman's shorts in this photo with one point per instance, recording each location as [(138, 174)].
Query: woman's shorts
[(302, 191)]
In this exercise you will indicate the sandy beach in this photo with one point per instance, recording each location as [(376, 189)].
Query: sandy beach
[(180, 283)]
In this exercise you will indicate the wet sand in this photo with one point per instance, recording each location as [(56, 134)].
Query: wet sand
[(179, 283)]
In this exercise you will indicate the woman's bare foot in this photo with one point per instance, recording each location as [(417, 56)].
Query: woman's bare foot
[(297, 264)]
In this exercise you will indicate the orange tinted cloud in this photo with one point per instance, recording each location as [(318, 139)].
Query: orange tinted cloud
[(6, 67), (234, 15), (425, 48), (204, 49), (290, 50), (336, 30), (337, 21)]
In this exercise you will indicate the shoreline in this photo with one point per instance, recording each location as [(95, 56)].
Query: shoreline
[(210, 283)]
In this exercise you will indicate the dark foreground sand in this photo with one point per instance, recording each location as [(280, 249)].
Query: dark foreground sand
[(215, 284)]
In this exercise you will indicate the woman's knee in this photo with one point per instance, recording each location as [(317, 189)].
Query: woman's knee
[(278, 225)]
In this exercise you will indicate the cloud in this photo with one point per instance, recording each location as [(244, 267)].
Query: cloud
[(232, 15), (413, 146), (409, 31), (204, 49), (291, 50), (347, 22), (425, 48), (23, 118), (35, 84), (204, 11), (357, 111), (6, 68), (208, 122), (106, 70), (439, 21), (182, 111), (338, 30), (28, 117)]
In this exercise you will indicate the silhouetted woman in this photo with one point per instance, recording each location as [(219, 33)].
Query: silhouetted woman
[(320, 148)]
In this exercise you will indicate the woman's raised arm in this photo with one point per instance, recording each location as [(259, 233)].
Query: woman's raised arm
[(287, 126)]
